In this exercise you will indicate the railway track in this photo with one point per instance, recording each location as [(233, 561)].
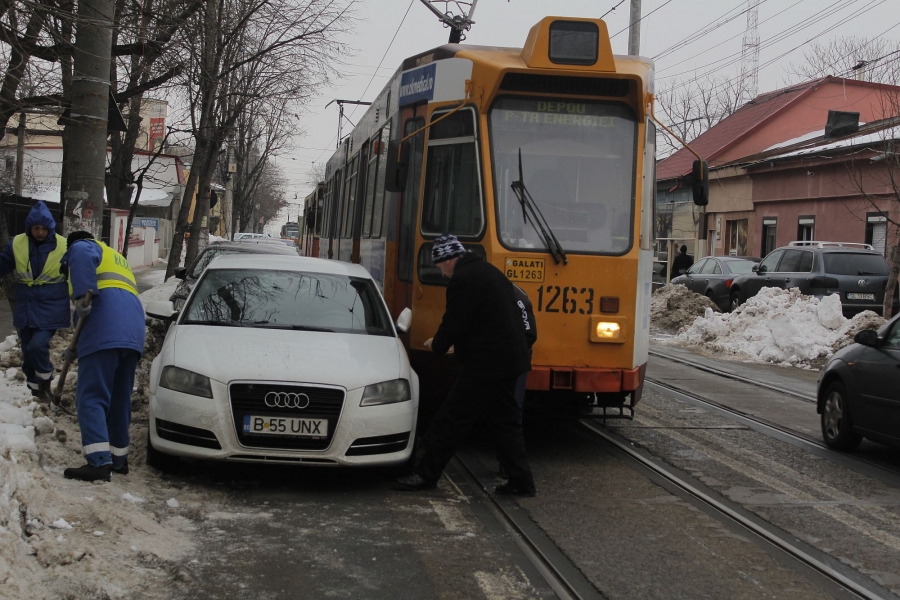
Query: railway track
[(560, 574), (844, 581), (884, 472)]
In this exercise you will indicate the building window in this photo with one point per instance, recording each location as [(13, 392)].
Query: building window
[(768, 236), (876, 231), (736, 237), (806, 228), (10, 163)]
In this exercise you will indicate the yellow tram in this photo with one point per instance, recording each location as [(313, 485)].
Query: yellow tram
[(539, 158)]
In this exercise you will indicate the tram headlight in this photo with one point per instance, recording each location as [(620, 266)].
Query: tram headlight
[(608, 330)]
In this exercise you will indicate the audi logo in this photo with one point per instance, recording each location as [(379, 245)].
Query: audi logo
[(286, 400)]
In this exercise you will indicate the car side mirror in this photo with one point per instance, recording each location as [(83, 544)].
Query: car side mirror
[(404, 320), (755, 268), (180, 273), (700, 184), (866, 337), (163, 310)]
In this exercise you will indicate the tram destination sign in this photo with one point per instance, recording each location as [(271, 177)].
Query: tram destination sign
[(525, 269)]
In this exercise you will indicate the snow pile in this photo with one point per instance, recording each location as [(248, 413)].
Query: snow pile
[(673, 307), (779, 326), (160, 292), (62, 538)]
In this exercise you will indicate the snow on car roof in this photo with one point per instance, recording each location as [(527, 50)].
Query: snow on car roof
[(273, 262)]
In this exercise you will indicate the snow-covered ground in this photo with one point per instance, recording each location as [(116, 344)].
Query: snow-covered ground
[(61, 538), (775, 326)]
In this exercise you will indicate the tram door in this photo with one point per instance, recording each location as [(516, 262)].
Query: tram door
[(407, 214)]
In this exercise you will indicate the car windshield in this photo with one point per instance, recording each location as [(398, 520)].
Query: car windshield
[(740, 267), (205, 258), (288, 300), (852, 263), (577, 163)]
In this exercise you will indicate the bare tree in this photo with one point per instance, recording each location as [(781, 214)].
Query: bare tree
[(242, 51), (691, 107), (844, 57), (874, 174)]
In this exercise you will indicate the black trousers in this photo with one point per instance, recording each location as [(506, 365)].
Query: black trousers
[(468, 402)]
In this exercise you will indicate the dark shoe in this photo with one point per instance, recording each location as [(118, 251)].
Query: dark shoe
[(414, 482), (508, 489), (88, 473), (123, 470)]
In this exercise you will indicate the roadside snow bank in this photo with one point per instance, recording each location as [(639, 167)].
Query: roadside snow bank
[(781, 327), (62, 538), (673, 307)]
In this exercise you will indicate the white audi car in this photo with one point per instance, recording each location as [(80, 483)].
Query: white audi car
[(282, 359)]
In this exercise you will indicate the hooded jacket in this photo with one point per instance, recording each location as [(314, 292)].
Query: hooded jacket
[(483, 323), (38, 306), (116, 319)]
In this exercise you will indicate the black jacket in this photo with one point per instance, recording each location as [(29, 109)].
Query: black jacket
[(680, 264), (482, 322), (523, 302)]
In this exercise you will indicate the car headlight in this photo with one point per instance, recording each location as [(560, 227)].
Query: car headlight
[(186, 382), (386, 392)]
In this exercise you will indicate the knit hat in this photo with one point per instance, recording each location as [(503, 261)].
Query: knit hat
[(445, 248), (76, 236)]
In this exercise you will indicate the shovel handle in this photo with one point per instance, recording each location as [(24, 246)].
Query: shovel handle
[(73, 343)]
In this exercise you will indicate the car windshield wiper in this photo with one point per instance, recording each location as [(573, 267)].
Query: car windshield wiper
[(868, 273), (219, 323), (540, 224), (267, 325)]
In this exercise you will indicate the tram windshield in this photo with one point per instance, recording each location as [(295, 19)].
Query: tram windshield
[(578, 161)]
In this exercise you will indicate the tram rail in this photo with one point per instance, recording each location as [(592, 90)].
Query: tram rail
[(809, 559), (887, 473), (560, 574)]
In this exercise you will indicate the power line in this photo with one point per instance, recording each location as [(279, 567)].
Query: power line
[(613, 8), (706, 29), (781, 36), (641, 19), (378, 67)]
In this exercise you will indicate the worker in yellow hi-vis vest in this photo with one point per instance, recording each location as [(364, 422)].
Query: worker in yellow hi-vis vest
[(109, 347), (41, 300)]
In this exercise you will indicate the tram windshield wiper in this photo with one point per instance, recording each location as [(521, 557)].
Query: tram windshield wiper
[(540, 224)]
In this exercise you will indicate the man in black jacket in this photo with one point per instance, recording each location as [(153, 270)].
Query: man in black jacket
[(483, 324)]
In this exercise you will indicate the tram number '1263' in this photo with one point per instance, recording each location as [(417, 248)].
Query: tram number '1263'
[(565, 299)]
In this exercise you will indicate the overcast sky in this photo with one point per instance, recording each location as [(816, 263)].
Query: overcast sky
[(784, 27)]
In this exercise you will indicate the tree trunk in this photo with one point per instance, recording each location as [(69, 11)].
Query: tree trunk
[(201, 212), (888, 306)]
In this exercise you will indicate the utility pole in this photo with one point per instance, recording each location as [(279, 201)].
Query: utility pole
[(750, 54), (20, 154), (634, 29), (88, 116)]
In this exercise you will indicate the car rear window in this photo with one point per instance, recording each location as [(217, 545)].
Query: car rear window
[(852, 263), (740, 267), (288, 300)]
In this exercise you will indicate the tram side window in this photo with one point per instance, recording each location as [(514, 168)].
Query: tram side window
[(378, 203), (409, 204), (320, 210), (349, 203), (370, 186), (452, 201)]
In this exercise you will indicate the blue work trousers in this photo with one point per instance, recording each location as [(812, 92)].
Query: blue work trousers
[(36, 355), (103, 401)]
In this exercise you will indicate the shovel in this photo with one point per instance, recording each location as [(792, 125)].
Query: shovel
[(73, 344)]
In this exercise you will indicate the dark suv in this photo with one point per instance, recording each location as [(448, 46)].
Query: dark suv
[(854, 271)]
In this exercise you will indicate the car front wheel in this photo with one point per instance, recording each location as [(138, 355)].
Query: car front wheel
[(159, 460), (837, 426)]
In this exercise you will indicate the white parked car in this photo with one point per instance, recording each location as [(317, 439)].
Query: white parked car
[(248, 236), (282, 359)]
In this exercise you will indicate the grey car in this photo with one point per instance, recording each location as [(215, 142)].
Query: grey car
[(855, 272), (857, 390), (713, 276), (189, 276)]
